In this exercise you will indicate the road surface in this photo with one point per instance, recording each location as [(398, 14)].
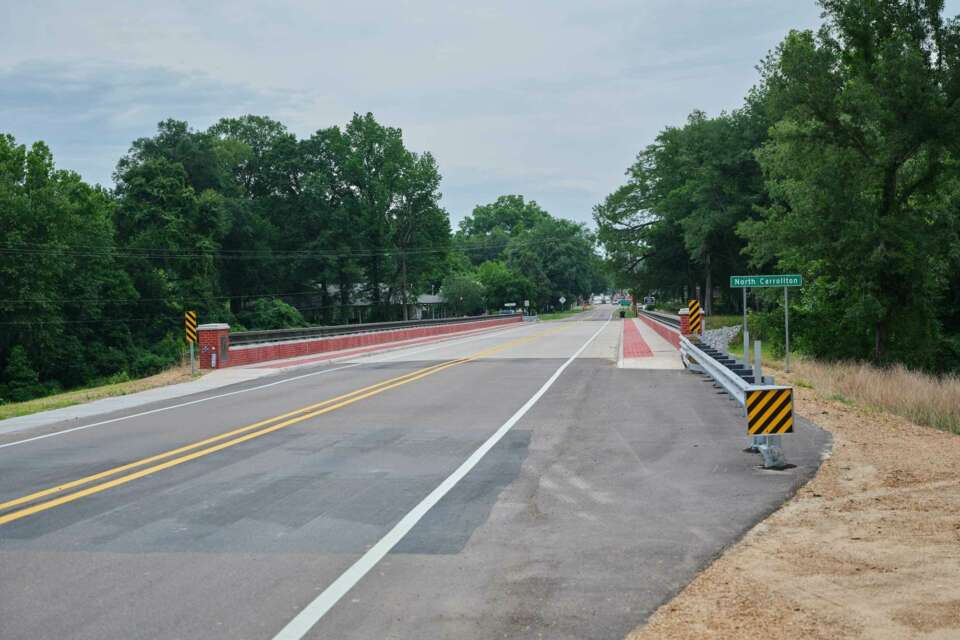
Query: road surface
[(487, 487)]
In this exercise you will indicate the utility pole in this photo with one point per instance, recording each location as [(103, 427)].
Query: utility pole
[(403, 294), (708, 296)]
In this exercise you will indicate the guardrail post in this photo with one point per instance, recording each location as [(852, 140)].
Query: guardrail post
[(757, 368), (757, 442), (772, 452)]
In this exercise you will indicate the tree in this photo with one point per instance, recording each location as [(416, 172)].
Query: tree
[(673, 224), (501, 285), (859, 167), (261, 198), (463, 294), (391, 196), (484, 235), (272, 314), (20, 377), (64, 298), (556, 256), (172, 218)]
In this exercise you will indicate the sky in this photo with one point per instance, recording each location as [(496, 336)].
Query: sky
[(548, 99)]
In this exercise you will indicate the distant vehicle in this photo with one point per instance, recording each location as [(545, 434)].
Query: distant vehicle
[(597, 299)]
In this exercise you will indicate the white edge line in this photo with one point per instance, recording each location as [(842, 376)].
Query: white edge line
[(301, 624), (397, 354)]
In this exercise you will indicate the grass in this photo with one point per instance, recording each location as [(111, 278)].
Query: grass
[(767, 351), (717, 321), (925, 399), (79, 396)]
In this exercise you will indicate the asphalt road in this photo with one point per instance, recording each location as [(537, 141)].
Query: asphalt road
[(488, 487)]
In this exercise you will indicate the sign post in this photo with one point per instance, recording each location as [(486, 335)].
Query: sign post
[(746, 334), (785, 281), (190, 329), (786, 326)]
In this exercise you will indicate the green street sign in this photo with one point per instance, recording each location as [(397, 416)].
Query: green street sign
[(624, 303), (753, 282)]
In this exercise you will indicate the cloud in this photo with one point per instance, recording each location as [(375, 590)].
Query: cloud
[(90, 113), (551, 99)]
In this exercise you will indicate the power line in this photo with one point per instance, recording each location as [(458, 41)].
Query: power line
[(99, 321), (240, 254), (172, 299)]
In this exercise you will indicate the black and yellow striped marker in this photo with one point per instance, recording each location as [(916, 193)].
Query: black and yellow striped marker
[(190, 325), (695, 316), (770, 411)]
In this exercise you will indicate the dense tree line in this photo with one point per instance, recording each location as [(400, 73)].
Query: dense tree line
[(843, 165), (247, 224), (511, 250)]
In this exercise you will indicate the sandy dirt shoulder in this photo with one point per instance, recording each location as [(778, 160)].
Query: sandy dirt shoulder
[(870, 548)]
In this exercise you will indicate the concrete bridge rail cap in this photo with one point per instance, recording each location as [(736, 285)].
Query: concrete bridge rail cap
[(213, 326)]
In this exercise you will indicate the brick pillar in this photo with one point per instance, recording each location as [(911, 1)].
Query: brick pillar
[(214, 339), (684, 321)]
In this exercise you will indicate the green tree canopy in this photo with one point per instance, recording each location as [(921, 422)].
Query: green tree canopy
[(463, 294), (861, 170)]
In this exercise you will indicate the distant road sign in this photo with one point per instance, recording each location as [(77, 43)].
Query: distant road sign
[(562, 299), (526, 303), (190, 325), (624, 303), (753, 282), (509, 304)]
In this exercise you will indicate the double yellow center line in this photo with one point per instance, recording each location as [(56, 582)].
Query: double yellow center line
[(175, 457)]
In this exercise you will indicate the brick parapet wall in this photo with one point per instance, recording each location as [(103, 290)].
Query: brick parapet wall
[(250, 354)]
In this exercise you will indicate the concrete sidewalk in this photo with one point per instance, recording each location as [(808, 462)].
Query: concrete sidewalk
[(210, 381), (644, 348)]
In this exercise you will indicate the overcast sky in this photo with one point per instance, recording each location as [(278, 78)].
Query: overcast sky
[(549, 99)]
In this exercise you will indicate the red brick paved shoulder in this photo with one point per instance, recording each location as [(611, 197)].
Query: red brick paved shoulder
[(671, 336), (634, 346)]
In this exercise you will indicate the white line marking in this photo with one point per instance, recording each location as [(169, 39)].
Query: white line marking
[(399, 353), (313, 612)]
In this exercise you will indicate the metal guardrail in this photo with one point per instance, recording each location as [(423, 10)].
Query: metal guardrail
[(284, 335), (696, 359), (665, 318), (740, 382)]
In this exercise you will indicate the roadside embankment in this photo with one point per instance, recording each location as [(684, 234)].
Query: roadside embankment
[(868, 549), (174, 375)]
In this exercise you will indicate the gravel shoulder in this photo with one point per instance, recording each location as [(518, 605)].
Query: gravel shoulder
[(870, 548)]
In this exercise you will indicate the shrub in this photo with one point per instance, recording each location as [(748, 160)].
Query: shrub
[(272, 313), (21, 379), (147, 363)]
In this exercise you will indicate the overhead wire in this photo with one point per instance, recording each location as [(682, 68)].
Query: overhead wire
[(23, 248)]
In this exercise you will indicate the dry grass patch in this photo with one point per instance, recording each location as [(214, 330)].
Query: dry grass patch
[(924, 399)]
